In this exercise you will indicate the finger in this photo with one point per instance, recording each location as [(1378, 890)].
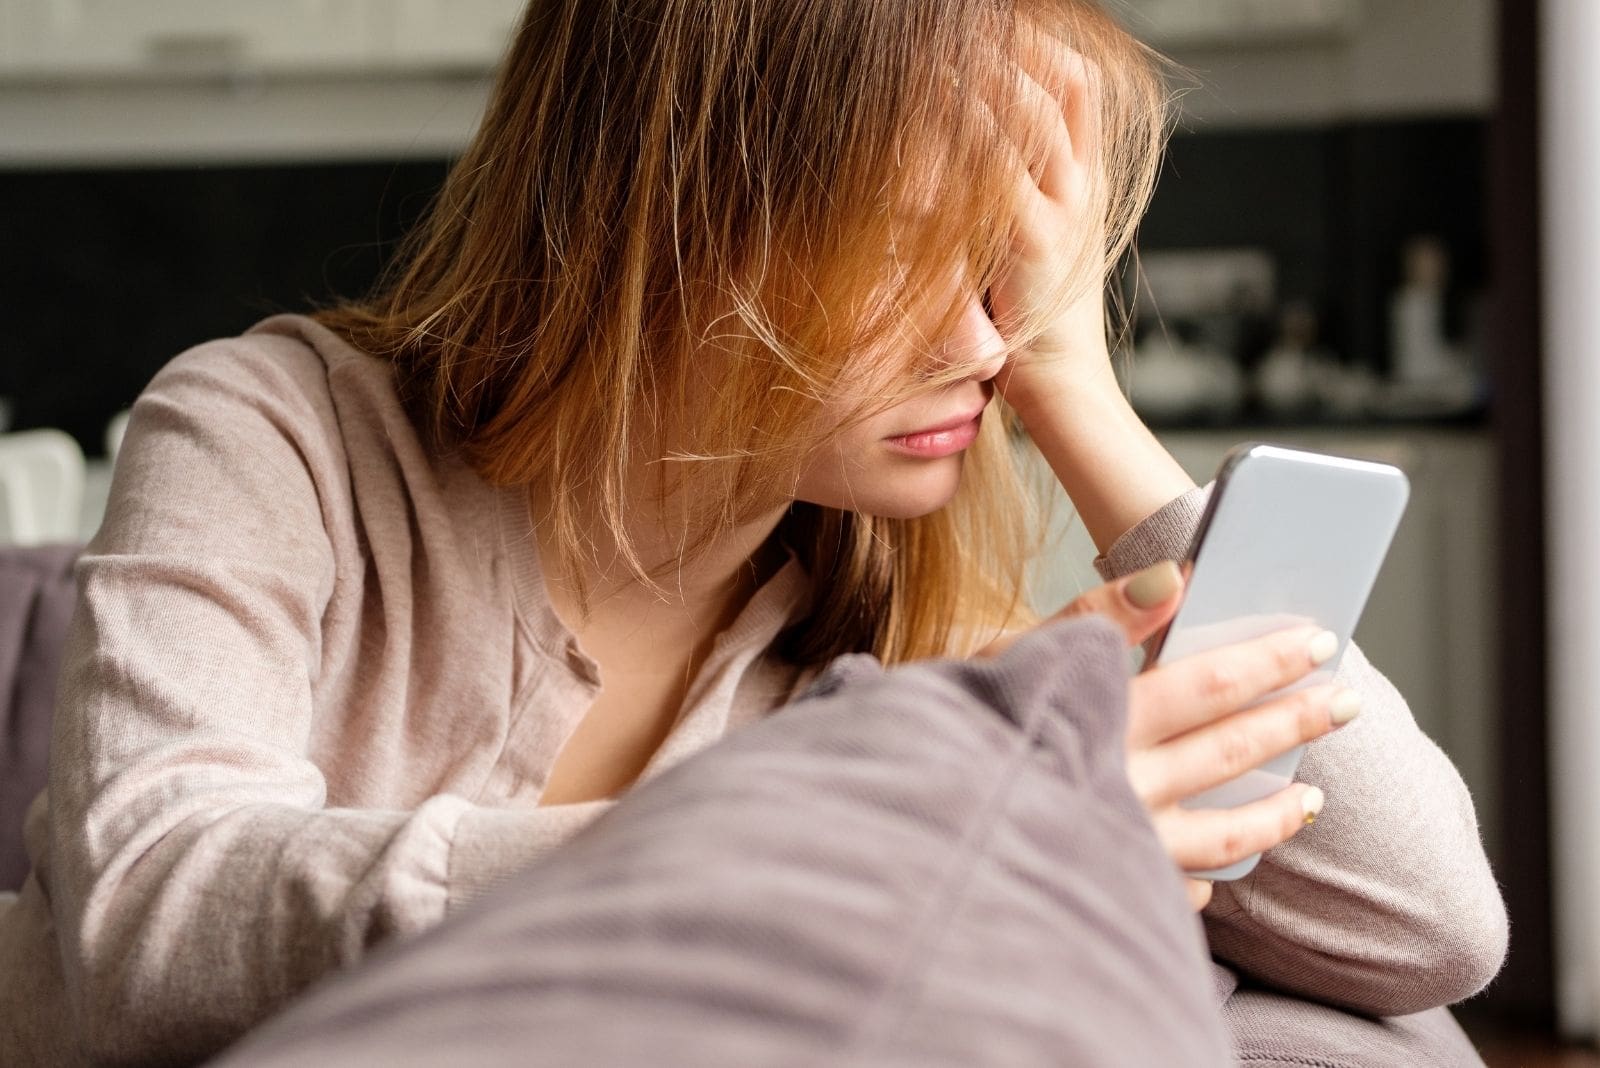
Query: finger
[(1040, 129), (1075, 83), (1170, 699), (1071, 88), (1030, 127), (1206, 839), (1036, 123), (1140, 604), (1212, 754), (1033, 207), (1199, 893), (1079, 88)]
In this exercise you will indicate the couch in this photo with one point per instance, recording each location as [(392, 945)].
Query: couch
[(1264, 1028), (36, 597)]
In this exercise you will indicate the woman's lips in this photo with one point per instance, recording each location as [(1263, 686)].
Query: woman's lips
[(946, 439)]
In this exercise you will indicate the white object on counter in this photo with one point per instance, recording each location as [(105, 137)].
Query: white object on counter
[(1431, 375), (1175, 380), (42, 476)]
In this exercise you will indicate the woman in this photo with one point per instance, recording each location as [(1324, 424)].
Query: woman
[(675, 397)]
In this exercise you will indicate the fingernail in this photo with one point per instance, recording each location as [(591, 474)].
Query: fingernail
[(1345, 706), (1311, 803), (1154, 584), (1323, 646)]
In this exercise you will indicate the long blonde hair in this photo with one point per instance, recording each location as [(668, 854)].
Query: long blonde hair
[(693, 213)]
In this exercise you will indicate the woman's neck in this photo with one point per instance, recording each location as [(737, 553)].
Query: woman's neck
[(692, 599)]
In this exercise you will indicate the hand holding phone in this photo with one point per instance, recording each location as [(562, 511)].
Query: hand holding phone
[(1289, 539), (1240, 673), (1200, 721)]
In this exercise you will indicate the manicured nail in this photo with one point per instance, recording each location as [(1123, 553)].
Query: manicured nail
[(1323, 646), (1345, 706), (1311, 803), (1154, 585)]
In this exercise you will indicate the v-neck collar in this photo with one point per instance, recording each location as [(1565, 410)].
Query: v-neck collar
[(782, 598)]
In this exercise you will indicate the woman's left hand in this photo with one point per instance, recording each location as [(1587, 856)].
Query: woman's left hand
[(1060, 230)]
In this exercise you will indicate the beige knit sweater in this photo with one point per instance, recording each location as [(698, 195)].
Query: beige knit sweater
[(314, 688)]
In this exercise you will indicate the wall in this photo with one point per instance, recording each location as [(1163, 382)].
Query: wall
[(1406, 58), (139, 123), (1570, 103)]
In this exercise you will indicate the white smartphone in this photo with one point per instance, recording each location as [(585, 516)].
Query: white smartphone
[(1288, 537)]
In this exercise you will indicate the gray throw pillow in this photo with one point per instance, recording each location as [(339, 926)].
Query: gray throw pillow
[(941, 864)]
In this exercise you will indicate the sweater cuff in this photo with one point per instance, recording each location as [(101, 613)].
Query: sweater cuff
[(492, 844), (1163, 535)]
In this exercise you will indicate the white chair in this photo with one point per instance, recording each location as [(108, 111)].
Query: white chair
[(19, 525), (114, 431), (41, 487)]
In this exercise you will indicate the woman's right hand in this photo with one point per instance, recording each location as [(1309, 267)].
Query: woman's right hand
[(1196, 722)]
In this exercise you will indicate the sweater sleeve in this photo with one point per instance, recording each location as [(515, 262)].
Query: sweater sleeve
[(1386, 904), (197, 877)]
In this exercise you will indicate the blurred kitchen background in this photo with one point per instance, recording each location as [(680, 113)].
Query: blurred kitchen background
[(1342, 254)]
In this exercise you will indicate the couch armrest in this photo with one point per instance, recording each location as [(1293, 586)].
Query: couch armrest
[(1271, 1029), (37, 594)]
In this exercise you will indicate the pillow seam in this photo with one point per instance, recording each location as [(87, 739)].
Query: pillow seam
[(876, 1021)]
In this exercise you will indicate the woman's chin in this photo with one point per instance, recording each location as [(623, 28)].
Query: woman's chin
[(909, 493), (886, 485)]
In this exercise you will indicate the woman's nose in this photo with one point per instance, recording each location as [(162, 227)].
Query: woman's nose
[(976, 343)]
